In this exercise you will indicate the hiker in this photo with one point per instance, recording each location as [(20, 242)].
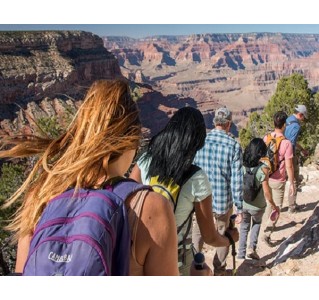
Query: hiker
[(254, 206), (96, 150), (221, 159), (292, 132), (169, 157), (277, 180)]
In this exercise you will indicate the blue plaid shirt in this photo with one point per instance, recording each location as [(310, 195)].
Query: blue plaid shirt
[(221, 159)]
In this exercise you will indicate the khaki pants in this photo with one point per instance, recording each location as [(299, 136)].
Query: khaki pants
[(278, 191), (184, 261), (292, 198), (221, 223)]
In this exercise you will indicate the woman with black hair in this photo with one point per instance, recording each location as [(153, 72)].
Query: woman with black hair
[(169, 157), (254, 208)]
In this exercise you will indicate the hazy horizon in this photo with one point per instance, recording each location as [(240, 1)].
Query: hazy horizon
[(146, 30)]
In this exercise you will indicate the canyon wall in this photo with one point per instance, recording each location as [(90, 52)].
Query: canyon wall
[(44, 73), (39, 64), (238, 70)]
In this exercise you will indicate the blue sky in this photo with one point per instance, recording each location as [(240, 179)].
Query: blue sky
[(173, 17), (142, 30)]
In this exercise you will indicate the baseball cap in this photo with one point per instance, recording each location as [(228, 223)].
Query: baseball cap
[(223, 113), (302, 109)]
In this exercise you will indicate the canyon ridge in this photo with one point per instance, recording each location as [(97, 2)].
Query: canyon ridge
[(45, 73), (237, 70)]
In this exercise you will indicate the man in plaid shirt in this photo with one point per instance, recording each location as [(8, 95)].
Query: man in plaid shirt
[(221, 159)]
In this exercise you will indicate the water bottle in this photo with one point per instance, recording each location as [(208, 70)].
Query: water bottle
[(199, 267), (199, 260)]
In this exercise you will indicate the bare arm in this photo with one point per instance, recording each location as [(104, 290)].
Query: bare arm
[(136, 174), (290, 173), (267, 191), (23, 244), (22, 253), (207, 227), (156, 245)]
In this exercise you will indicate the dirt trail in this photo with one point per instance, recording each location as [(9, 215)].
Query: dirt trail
[(294, 243)]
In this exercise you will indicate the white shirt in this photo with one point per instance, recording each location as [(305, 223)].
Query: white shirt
[(195, 189)]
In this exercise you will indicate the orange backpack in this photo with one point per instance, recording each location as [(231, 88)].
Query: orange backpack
[(272, 158)]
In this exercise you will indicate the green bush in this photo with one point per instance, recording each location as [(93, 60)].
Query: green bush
[(290, 91), (49, 126), (12, 177)]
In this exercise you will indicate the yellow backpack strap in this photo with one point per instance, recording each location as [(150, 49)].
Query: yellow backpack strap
[(170, 191), (265, 160), (278, 141), (268, 138)]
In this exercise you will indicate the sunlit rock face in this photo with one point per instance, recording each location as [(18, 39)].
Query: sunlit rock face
[(48, 63), (238, 70)]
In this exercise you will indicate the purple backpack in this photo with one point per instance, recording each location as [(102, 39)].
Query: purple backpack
[(84, 234)]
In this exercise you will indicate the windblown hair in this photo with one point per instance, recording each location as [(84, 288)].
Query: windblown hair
[(280, 118), (106, 125), (254, 152), (172, 150)]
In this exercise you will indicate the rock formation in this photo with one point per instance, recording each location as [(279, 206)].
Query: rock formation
[(39, 64), (45, 74), (239, 70)]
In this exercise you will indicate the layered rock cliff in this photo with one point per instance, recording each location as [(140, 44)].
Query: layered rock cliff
[(239, 70), (45, 74), (205, 71), (39, 64)]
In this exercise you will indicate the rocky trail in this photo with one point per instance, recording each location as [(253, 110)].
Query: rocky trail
[(294, 245)]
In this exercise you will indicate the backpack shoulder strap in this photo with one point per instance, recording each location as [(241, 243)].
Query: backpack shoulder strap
[(280, 138), (187, 175), (179, 228), (292, 122), (268, 138), (255, 170), (278, 142), (124, 187), (248, 170)]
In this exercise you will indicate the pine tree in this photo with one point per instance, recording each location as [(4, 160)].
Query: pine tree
[(290, 91)]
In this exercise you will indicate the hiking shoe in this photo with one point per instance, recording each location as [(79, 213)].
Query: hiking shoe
[(293, 210), (252, 254), (240, 257), (266, 239)]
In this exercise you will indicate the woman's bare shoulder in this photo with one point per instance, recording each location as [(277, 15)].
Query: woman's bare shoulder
[(156, 203)]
